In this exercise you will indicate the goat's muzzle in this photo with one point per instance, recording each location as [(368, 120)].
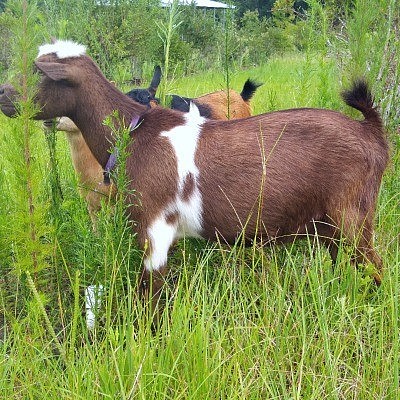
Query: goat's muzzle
[(49, 124), (8, 96)]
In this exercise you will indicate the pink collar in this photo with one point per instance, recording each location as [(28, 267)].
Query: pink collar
[(112, 160)]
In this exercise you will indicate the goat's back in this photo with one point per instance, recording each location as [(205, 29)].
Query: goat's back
[(225, 105)]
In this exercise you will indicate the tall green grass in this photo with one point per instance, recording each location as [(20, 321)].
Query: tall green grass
[(280, 325), (258, 323), (274, 323)]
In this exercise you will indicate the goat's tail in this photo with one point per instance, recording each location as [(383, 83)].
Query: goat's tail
[(249, 89), (360, 98)]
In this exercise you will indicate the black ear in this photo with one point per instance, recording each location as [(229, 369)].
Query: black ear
[(180, 103), (155, 81)]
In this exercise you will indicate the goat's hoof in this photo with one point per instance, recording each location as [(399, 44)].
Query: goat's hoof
[(377, 279)]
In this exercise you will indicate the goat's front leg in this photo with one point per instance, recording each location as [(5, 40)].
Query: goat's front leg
[(150, 287), (160, 236)]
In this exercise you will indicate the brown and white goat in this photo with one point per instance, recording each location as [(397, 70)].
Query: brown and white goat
[(273, 177), (90, 173), (222, 104)]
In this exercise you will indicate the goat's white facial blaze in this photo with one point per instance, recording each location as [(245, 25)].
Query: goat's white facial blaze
[(161, 235), (63, 49), (184, 139)]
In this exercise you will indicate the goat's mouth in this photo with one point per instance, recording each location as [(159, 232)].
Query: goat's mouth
[(8, 95), (8, 109), (50, 123)]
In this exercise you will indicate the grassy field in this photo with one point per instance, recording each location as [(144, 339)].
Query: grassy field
[(257, 323)]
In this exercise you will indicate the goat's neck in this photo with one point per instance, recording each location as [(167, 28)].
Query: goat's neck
[(86, 166), (90, 116)]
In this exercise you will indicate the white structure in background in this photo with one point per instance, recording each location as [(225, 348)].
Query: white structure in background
[(93, 295), (198, 3), (217, 6)]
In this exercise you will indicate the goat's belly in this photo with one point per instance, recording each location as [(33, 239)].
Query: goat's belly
[(229, 227), (278, 235), (261, 223)]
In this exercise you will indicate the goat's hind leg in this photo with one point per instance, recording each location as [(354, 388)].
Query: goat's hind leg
[(366, 252), (357, 227)]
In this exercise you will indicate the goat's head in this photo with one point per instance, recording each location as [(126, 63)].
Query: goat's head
[(147, 96), (72, 85), (64, 69), (57, 80)]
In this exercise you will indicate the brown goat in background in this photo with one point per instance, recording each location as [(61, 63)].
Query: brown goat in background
[(222, 104)]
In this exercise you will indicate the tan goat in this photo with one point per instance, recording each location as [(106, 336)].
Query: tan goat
[(90, 173), (222, 105)]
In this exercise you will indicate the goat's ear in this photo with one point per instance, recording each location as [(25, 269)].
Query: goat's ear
[(155, 81), (56, 71)]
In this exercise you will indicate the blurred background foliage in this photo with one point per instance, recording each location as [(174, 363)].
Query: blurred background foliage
[(124, 36)]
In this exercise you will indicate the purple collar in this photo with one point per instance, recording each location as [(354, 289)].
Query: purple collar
[(112, 160)]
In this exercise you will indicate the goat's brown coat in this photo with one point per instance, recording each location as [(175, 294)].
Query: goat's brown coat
[(312, 172)]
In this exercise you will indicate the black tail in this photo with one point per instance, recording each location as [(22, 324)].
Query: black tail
[(249, 89), (360, 98), (155, 81)]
